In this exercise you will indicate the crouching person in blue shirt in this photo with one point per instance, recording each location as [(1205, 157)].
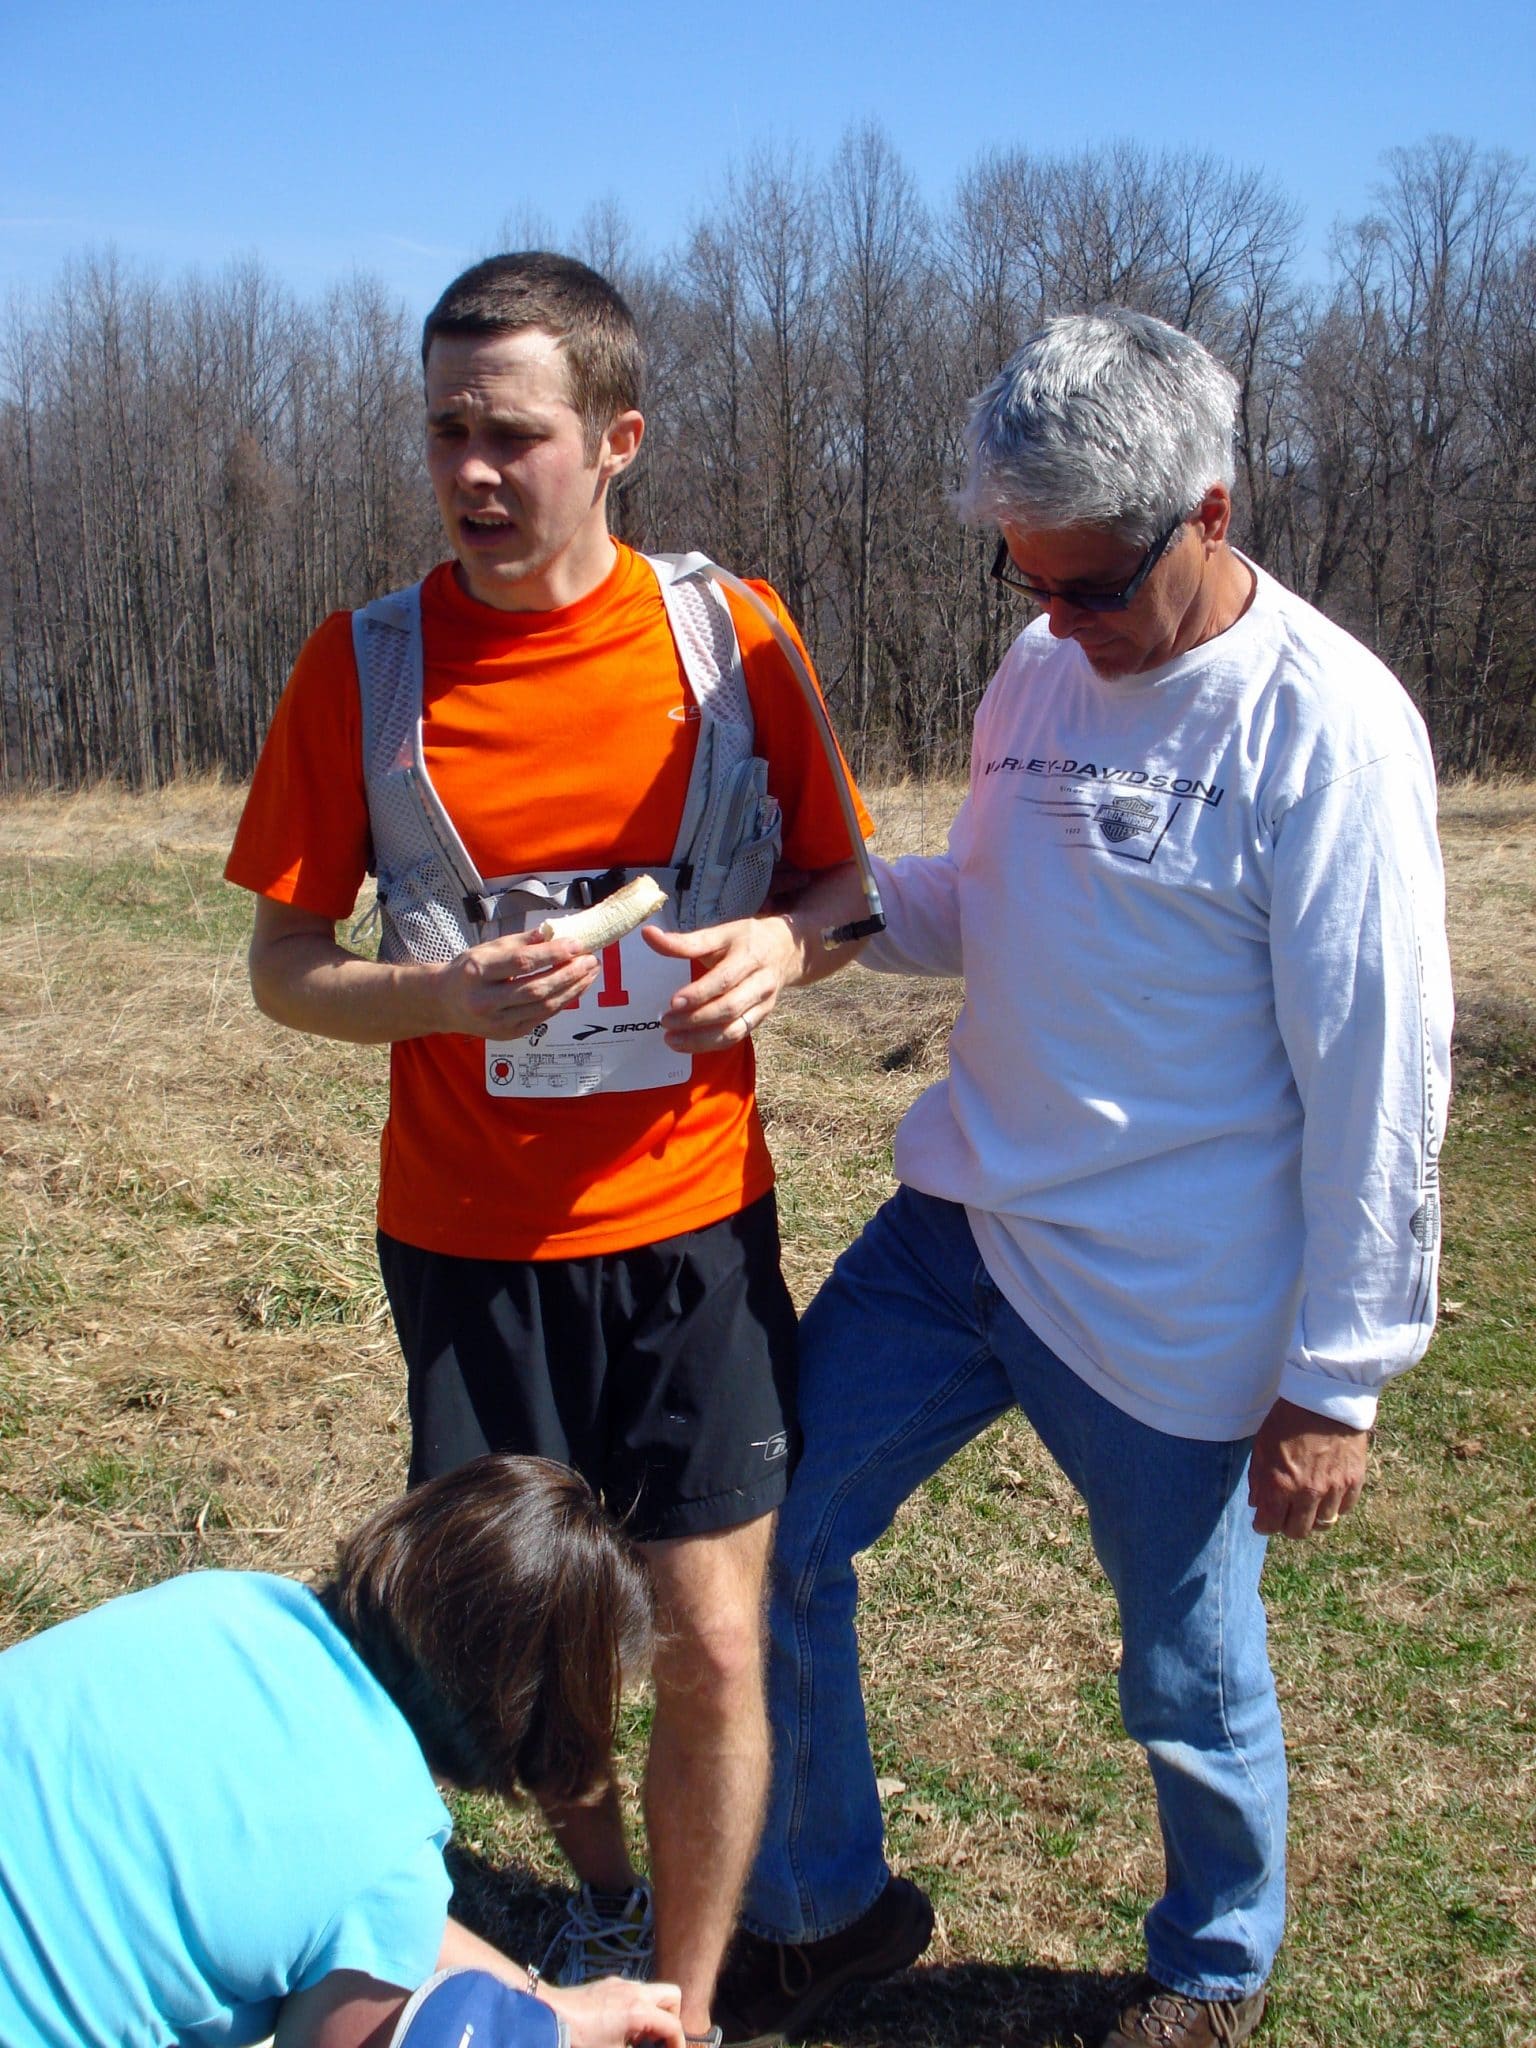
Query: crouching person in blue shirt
[(220, 1814)]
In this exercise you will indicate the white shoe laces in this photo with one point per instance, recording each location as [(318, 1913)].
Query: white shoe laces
[(593, 1941)]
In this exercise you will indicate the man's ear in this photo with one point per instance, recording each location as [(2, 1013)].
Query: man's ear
[(621, 444), (1213, 515)]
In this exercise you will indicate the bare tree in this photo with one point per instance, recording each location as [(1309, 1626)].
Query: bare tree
[(775, 224), (1424, 281), (190, 478), (877, 249)]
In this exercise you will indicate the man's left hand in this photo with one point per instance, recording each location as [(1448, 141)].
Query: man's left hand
[(1305, 1472), (739, 970)]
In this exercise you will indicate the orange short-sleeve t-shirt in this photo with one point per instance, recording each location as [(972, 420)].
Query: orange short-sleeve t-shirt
[(556, 740)]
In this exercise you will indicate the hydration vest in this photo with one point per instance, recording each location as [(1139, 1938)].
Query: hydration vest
[(432, 900)]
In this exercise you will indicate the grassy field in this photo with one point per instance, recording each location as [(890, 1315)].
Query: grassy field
[(196, 1370)]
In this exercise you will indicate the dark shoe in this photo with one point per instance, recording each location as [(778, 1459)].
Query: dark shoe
[(771, 1991), (1167, 2019)]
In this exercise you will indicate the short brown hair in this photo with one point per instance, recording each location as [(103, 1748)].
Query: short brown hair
[(501, 1610), (530, 288)]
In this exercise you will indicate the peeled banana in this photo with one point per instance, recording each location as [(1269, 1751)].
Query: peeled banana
[(622, 912)]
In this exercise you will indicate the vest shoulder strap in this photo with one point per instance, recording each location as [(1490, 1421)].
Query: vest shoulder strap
[(705, 633), (386, 640)]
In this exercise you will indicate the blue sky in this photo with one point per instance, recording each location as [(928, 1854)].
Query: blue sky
[(397, 137)]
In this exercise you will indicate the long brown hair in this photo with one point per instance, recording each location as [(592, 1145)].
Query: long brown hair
[(501, 1610)]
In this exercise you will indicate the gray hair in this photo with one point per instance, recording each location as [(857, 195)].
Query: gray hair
[(1109, 419)]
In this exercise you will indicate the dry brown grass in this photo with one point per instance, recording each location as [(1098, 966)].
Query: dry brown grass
[(176, 1176), (196, 1369), (197, 815), (1488, 831)]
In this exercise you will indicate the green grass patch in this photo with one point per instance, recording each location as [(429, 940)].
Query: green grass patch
[(34, 1285), (105, 1481), (169, 899)]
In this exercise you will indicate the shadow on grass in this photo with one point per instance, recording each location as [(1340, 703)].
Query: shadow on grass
[(960, 2005), (978, 2005), (506, 1904), (1495, 1038)]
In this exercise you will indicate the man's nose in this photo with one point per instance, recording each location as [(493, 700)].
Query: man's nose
[(1063, 617), (476, 470)]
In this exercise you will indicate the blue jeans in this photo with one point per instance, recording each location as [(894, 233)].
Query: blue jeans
[(907, 1353)]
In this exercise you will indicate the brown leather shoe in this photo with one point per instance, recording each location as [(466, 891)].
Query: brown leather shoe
[(771, 1991), (1160, 2018)]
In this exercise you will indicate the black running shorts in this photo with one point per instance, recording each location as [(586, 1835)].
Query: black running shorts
[(665, 1375)]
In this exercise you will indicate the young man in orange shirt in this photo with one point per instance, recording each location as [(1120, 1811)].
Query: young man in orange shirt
[(589, 1275)]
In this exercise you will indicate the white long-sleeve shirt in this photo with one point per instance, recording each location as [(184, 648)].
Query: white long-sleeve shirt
[(1198, 1085)]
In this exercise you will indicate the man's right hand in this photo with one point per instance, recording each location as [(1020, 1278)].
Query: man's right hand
[(301, 977), (505, 987), (1305, 1472)]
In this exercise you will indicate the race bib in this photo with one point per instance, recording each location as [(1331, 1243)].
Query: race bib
[(608, 1042)]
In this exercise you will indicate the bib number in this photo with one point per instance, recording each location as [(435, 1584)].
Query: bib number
[(608, 1042)]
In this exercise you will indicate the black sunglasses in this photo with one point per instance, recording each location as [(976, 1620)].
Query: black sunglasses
[(1004, 572)]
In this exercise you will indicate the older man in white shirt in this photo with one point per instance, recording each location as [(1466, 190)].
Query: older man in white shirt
[(1177, 1197)]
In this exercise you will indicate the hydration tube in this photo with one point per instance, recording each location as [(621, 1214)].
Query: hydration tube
[(862, 927)]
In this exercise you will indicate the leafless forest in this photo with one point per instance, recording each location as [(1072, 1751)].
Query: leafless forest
[(191, 475)]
